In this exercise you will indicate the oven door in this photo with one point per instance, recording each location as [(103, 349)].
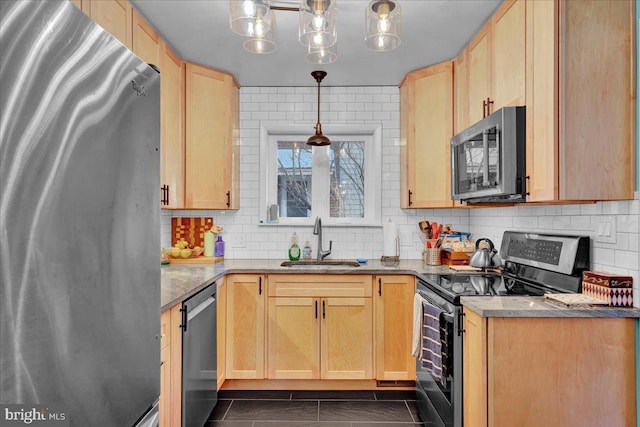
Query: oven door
[(439, 400)]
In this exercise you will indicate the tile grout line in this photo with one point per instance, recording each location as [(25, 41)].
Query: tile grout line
[(227, 411), (409, 409)]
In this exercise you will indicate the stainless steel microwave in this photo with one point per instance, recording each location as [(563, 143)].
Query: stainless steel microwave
[(488, 159)]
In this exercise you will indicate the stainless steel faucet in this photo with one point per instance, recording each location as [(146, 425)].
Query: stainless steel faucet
[(317, 230)]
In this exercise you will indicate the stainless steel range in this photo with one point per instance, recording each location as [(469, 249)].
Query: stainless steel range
[(535, 264)]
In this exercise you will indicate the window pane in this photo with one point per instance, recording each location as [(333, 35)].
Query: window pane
[(347, 179), (294, 179)]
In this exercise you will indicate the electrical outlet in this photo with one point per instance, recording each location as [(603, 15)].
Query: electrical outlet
[(238, 241), (605, 231)]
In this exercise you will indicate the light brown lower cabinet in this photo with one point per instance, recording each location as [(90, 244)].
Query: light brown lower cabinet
[(393, 301), (170, 405), (320, 327), (548, 371)]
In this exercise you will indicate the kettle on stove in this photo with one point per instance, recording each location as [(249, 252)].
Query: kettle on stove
[(483, 257)]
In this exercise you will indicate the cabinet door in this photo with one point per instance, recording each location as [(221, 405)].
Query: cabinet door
[(430, 128), (115, 16), (146, 43), (293, 338), (209, 104), (474, 370), (509, 47), (165, 386), (542, 100), (460, 93), (245, 326), (479, 73), (172, 127), (406, 127), (394, 327), (221, 331), (346, 338)]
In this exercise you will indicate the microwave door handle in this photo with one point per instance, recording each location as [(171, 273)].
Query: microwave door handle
[(499, 152), (485, 158)]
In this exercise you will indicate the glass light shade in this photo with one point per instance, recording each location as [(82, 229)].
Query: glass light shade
[(264, 44), (317, 23), (322, 55), (249, 18), (383, 25)]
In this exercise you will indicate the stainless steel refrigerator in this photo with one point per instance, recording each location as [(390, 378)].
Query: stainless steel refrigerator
[(79, 219)]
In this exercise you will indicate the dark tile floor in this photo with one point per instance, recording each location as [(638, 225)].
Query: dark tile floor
[(263, 408)]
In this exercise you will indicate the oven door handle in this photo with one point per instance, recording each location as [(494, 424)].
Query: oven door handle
[(447, 316)]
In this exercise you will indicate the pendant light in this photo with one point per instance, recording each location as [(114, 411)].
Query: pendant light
[(318, 139), (317, 23), (249, 18), (383, 25)]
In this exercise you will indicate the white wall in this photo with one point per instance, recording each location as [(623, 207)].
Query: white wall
[(340, 105), (621, 257)]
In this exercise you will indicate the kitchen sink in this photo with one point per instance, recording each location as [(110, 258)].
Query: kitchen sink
[(321, 264)]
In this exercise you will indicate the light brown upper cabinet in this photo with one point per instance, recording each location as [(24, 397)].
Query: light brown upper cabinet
[(212, 127), (172, 129), (496, 58), (146, 42), (115, 16), (426, 128), (580, 100)]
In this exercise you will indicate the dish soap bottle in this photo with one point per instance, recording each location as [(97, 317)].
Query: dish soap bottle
[(219, 247), (294, 249), (306, 250)]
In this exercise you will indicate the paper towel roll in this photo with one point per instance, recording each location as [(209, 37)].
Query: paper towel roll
[(389, 237)]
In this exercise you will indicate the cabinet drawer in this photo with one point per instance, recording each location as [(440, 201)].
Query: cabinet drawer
[(165, 337), (309, 285)]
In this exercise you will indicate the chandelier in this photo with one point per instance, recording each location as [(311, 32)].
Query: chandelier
[(256, 22)]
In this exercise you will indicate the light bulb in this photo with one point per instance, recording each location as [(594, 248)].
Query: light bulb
[(383, 24), (318, 22), (259, 46), (259, 28), (380, 42), (318, 39), (322, 54), (248, 8)]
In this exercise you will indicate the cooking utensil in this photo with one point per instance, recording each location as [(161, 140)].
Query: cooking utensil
[(425, 227), (483, 257)]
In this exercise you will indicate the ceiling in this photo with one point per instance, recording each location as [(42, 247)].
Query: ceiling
[(433, 31)]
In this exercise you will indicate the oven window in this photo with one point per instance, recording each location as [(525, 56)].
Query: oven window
[(477, 162)]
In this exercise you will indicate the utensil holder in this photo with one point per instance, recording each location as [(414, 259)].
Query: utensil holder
[(431, 256)]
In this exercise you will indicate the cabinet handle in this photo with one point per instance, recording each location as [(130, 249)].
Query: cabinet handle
[(410, 193), (165, 195), (323, 312), (260, 286), (316, 309), (486, 109), (228, 199), (379, 286), (461, 317)]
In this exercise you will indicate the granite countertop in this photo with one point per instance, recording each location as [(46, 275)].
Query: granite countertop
[(513, 306), (181, 281)]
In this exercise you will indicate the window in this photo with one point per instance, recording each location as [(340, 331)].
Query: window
[(340, 182)]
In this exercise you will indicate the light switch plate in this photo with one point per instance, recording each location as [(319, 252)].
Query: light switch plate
[(605, 229)]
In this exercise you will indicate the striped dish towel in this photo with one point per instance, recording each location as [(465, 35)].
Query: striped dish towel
[(431, 341)]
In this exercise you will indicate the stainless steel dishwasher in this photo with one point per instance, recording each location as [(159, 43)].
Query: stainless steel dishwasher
[(199, 359)]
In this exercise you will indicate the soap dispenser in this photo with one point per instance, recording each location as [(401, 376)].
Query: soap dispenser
[(219, 246), (294, 249), (306, 250)]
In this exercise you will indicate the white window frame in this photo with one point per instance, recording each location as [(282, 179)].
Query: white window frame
[(372, 137)]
